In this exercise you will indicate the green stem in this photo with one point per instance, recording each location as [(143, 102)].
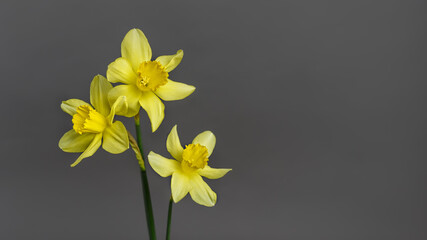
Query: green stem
[(145, 188), (168, 229)]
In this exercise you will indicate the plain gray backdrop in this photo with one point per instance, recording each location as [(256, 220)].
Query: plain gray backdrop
[(318, 106)]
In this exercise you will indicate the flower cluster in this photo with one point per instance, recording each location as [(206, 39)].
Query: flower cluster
[(141, 82)]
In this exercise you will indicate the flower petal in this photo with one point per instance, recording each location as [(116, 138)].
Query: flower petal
[(174, 91), (70, 106), (99, 89), (213, 173), (163, 166), (180, 185), (132, 94), (201, 193), (121, 71), (115, 138), (154, 108), (174, 145), (135, 48), (170, 62), (120, 105), (74, 142), (90, 150), (207, 139)]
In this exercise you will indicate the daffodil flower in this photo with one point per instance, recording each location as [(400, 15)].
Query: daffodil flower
[(93, 124), (189, 166), (145, 80)]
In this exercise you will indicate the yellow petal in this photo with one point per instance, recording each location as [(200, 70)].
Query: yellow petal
[(99, 89), (70, 106), (154, 108), (132, 94), (120, 105), (115, 138), (121, 71), (170, 62), (207, 139), (74, 142), (180, 185), (174, 91), (90, 150), (174, 145), (201, 193), (213, 173), (135, 48), (163, 166)]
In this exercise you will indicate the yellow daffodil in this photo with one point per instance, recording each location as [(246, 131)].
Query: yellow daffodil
[(145, 80), (188, 168), (94, 124)]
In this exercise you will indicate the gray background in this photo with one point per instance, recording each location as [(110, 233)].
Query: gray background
[(318, 106)]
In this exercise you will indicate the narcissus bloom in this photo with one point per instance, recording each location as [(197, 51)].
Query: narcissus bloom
[(145, 80), (93, 124), (188, 168)]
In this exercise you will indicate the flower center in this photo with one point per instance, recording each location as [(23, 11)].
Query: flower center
[(151, 75), (194, 156), (88, 120)]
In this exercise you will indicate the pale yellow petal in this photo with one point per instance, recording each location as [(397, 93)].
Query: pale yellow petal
[(90, 150), (170, 62), (99, 89), (207, 139), (70, 106), (121, 71), (180, 185), (132, 94), (120, 105), (135, 48), (201, 193), (174, 145), (174, 91), (154, 108), (115, 138), (213, 173), (74, 142), (163, 166)]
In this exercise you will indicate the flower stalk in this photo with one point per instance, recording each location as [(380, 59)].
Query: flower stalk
[(168, 229), (145, 187)]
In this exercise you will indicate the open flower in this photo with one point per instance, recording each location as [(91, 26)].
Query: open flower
[(190, 165), (94, 124), (145, 80)]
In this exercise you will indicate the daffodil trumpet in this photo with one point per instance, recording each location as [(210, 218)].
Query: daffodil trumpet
[(93, 124), (144, 80), (187, 168)]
